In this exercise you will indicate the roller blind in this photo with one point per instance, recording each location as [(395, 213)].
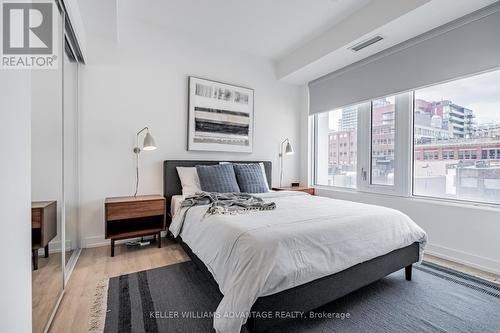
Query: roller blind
[(451, 51)]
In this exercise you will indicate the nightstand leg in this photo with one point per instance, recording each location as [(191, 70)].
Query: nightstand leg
[(159, 239), (112, 247), (46, 251), (35, 259)]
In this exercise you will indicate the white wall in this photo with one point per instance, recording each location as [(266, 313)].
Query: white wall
[(143, 80), (15, 201)]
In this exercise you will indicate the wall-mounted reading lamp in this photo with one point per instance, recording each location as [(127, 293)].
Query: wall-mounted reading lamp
[(148, 144), (287, 151)]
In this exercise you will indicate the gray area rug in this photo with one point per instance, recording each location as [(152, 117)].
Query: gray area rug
[(436, 300)]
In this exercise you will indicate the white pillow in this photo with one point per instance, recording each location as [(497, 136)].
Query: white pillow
[(261, 167), (189, 180), (264, 174)]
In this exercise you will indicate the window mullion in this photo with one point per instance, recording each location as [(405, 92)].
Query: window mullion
[(364, 138), (403, 144)]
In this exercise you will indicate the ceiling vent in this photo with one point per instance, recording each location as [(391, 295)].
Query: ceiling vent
[(366, 43)]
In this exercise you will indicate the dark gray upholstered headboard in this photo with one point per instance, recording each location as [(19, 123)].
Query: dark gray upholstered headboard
[(172, 183)]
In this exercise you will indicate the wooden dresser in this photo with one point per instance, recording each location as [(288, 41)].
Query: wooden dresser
[(130, 217), (309, 190), (43, 227)]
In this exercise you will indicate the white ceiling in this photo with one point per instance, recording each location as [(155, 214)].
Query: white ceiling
[(327, 54), (265, 28), (305, 38)]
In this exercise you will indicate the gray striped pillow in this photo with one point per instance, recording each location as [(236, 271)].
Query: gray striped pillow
[(217, 178)]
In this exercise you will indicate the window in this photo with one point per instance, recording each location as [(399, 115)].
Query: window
[(484, 155), (460, 116), (448, 154), (455, 152), (382, 144), (431, 155), (336, 138), (467, 154)]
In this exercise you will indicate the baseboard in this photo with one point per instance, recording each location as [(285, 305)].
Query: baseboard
[(471, 260), (55, 247), (94, 241), (98, 241)]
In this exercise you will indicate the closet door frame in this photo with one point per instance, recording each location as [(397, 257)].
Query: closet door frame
[(69, 266)]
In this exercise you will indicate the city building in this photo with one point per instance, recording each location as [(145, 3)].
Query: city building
[(488, 130), (342, 150), (349, 118), (457, 120), (462, 149)]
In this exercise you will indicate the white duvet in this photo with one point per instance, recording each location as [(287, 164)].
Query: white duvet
[(305, 238)]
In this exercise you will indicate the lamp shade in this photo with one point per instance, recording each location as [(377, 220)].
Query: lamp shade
[(288, 149), (149, 142)]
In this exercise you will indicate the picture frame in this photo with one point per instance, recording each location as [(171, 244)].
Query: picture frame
[(221, 116)]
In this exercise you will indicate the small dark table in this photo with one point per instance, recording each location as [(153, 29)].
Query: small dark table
[(130, 217)]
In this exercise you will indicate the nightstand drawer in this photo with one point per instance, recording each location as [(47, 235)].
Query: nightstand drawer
[(36, 217), (129, 210)]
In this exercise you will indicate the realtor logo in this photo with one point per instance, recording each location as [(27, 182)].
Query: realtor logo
[(29, 33)]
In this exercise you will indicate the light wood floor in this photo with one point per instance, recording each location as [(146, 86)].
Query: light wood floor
[(95, 264), (47, 285)]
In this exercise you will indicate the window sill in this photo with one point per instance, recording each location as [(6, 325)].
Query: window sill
[(376, 190), (413, 198)]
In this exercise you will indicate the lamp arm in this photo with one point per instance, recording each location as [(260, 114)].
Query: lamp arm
[(137, 150), (281, 146), (142, 130), (281, 160)]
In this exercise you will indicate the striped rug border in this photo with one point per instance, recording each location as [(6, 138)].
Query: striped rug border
[(460, 278)]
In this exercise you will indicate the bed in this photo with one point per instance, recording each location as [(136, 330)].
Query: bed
[(230, 249)]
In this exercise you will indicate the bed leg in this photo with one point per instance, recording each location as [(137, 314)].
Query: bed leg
[(408, 272)]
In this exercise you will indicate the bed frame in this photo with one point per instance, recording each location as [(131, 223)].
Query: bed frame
[(309, 296)]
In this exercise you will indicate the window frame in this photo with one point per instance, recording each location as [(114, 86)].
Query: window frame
[(364, 150), (314, 158), (401, 154), (404, 150), (454, 201)]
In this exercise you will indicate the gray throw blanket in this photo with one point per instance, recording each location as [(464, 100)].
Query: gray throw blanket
[(221, 203), (227, 203)]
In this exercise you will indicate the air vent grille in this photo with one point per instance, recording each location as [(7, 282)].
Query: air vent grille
[(366, 43)]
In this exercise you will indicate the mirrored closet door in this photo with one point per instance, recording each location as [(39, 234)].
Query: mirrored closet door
[(54, 175), (47, 212), (71, 178)]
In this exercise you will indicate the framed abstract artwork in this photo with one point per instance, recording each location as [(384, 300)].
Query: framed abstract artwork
[(220, 116)]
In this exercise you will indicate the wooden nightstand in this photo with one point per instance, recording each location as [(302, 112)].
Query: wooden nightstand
[(43, 227), (130, 217), (309, 190)]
